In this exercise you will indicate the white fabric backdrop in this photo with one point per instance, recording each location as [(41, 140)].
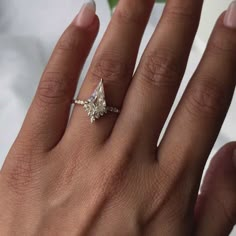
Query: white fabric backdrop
[(28, 32)]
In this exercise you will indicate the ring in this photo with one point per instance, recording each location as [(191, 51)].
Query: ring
[(96, 105)]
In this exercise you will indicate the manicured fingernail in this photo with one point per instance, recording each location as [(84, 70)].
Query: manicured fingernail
[(86, 15), (230, 16), (234, 157)]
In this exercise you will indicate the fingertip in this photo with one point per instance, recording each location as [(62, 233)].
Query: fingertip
[(87, 19), (215, 209), (230, 16), (86, 15), (224, 154), (224, 21), (91, 31), (222, 167), (94, 27)]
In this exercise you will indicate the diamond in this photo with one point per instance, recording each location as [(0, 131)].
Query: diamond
[(96, 104)]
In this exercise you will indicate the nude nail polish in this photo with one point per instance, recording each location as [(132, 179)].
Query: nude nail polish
[(230, 16), (86, 15)]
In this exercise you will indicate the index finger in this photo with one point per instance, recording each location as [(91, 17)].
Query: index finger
[(195, 126)]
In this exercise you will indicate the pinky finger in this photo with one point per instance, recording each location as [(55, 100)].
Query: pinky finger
[(47, 118)]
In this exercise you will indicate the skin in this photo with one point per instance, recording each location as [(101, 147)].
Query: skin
[(64, 176)]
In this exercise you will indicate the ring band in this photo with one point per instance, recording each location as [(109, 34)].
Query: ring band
[(96, 106)]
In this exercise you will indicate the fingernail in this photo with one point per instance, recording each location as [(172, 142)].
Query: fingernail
[(86, 15), (230, 16), (234, 157)]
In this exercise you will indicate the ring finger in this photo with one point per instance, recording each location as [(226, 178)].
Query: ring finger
[(114, 62)]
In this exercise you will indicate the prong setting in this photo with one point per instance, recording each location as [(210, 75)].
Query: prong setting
[(96, 106)]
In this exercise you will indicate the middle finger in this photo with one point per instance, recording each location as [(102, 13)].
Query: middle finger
[(159, 74)]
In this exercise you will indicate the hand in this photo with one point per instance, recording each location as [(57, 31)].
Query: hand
[(109, 178)]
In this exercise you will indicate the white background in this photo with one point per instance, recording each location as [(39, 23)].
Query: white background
[(29, 30)]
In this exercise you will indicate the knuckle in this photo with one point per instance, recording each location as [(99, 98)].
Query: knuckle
[(70, 41), (167, 181), (111, 69), (126, 17), (222, 42), (161, 69), (134, 13), (23, 174), (54, 88), (181, 15), (205, 97), (117, 172)]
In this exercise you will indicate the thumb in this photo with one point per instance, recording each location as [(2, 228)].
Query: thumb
[(216, 205)]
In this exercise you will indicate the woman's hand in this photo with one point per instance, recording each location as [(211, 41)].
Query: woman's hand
[(109, 178)]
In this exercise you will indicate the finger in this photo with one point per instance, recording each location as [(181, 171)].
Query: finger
[(114, 62), (197, 121), (47, 117), (159, 74), (216, 205)]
